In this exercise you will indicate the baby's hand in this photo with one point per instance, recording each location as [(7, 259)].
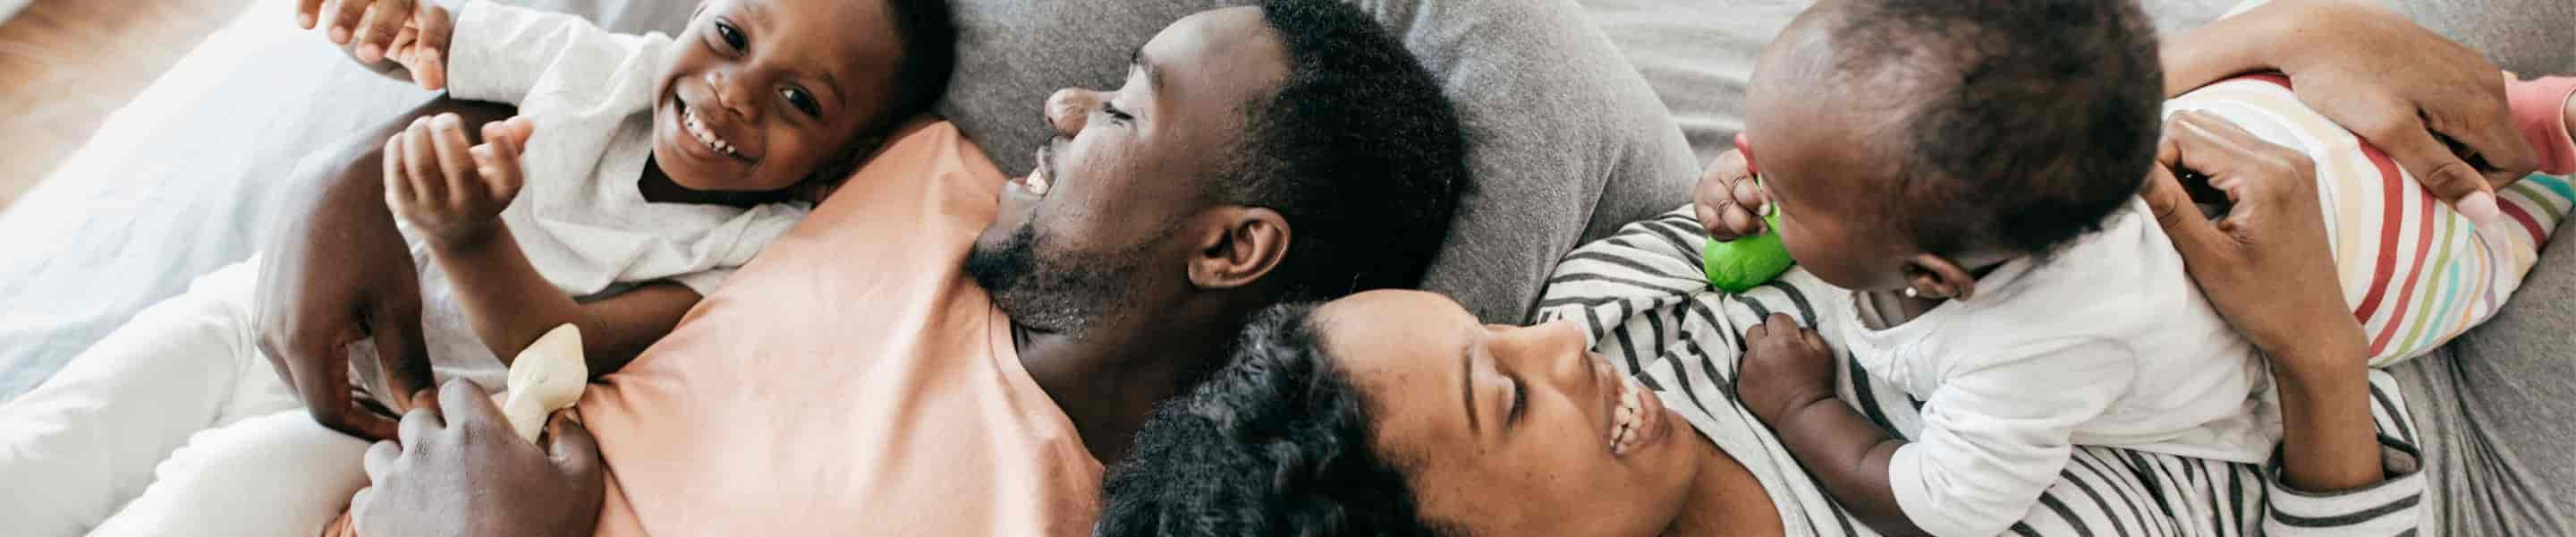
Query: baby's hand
[(452, 193), (403, 39), (1727, 201), (1784, 368)]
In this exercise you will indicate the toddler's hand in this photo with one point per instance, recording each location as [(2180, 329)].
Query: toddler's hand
[(1727, 200), (452, 193), (1784, 368), (404, 39)]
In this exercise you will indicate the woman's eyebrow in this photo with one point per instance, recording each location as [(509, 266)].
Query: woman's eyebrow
[(1467, 386)]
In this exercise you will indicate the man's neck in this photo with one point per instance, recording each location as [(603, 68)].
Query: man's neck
[(1108, 384), (1725, 499)]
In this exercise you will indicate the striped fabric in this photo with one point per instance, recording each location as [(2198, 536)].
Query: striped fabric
[(2416, 272), (1640, 296)]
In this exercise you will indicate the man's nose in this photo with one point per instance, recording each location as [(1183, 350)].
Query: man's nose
[(1070, 109)]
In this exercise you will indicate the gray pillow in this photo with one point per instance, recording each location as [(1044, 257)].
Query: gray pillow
[(1568, 141)]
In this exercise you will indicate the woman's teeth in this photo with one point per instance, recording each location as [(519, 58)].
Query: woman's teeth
[(1626, 420), (698, 129)]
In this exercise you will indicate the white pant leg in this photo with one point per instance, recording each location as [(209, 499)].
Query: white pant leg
[(84, 442), (273, 475)]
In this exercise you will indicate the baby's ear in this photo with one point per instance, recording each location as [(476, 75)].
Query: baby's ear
[(1934, 276)]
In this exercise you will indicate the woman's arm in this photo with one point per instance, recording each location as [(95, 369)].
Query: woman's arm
[(2267, 268), (2370, 69)]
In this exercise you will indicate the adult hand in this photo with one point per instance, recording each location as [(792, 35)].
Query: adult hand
[(461, 470), (405, 39), (2267, 267), (331, 277), (2434, 105)]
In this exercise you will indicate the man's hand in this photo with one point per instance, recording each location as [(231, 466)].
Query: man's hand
[(2266, 267), (449, 189), (2434, 105), (1785, 368), (461, 470), (1727, 200), (334, 275), (403, 39)]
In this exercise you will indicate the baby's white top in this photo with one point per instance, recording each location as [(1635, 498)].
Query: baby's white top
[(581, 219), (2107, 343)]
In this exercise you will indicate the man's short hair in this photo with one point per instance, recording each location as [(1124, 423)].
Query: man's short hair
[(1358, 150), (2031, 121), (1276, 443)]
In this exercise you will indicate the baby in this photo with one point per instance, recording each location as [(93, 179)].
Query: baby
[(1969, 170), (642, 169)]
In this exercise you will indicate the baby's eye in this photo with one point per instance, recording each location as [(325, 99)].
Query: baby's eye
[(804, 102), (732, 36)]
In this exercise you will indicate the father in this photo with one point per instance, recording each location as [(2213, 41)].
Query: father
[(1290, 151)]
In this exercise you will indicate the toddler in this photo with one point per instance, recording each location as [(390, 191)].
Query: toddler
[(642, 169), (1970, 169)]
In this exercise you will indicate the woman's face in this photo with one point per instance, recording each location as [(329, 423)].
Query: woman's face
[(1510, 430)]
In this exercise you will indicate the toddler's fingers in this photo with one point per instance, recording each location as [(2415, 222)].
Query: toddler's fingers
[(398, 192), (305, 10), (429, 186), (1816, 341), (383, 20), (1739, 221), (435, 28), (344, 20), (449, 143)]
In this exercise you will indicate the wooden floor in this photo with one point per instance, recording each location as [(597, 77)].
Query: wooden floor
[(66, 64)]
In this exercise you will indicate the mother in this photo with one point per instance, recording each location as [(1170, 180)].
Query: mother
[(1396, 413)]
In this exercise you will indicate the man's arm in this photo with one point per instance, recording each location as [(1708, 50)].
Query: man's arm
[(335, 272), (461, 470)]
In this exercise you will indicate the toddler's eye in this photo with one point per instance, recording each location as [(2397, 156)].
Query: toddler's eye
[(804, 102), (732, 36)]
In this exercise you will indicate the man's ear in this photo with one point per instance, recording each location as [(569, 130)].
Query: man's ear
[(1238, 246), (1934, 276)]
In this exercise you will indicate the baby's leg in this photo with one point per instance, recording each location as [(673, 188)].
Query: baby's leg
[(279, 474), (2416, 272), (84, 442)]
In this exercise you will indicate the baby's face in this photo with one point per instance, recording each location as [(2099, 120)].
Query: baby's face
[(761, 93), (1825, 164)]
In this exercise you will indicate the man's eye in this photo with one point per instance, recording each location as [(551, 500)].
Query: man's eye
[(804, 102), (732, 36), (1520, 401), (1114, 113)]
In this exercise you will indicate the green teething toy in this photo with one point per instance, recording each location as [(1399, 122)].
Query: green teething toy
[(1747, 262)]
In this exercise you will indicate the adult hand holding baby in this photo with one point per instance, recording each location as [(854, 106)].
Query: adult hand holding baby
[(2267, 268), (446, 187), (403, 39), (2436, 106), (461, 470)]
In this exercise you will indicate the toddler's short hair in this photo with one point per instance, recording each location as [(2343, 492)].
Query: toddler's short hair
[(2030, 121)]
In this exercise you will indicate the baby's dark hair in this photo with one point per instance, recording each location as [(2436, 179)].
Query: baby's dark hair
[(2031, 121)]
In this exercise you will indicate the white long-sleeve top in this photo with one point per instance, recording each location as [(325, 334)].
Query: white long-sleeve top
[(581, 218), (2106, 343)]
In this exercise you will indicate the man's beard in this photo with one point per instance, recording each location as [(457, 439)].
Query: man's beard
[(1063, 294)]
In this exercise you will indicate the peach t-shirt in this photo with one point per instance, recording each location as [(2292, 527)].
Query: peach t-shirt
[(849, 380)]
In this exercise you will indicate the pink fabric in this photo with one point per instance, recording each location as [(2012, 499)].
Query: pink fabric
[(850, 380), (2540, 109)]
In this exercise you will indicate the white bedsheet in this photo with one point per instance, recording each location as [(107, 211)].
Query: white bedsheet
[(182, 180)]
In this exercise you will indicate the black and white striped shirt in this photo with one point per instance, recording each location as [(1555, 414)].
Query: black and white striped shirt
[(1646, 306)]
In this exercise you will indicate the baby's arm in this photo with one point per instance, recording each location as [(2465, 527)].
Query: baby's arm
[(1993, 438), (454, 196)]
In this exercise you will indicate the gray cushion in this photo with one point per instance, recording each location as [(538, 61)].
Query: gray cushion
[(1568, 140)]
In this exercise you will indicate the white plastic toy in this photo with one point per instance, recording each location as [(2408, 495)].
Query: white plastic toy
[(546, 377)]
